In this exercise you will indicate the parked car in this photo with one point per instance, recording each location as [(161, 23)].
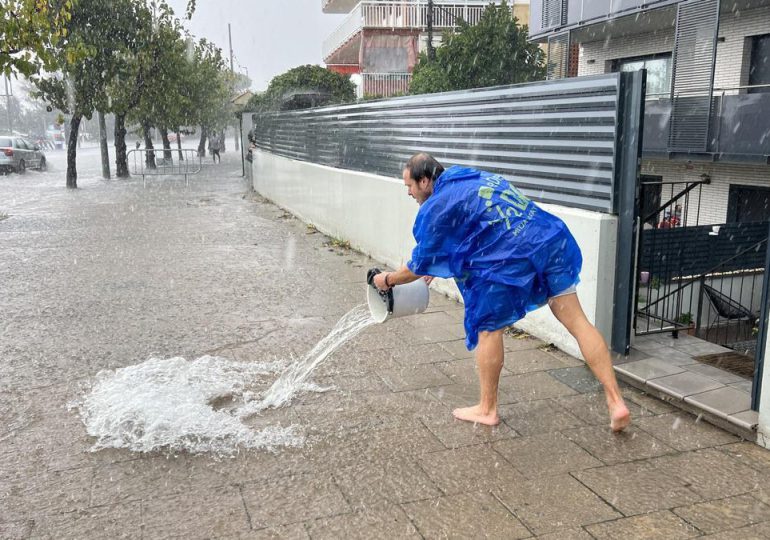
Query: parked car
[(17, 154)]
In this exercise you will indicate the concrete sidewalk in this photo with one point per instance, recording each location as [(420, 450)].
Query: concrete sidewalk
[(112, 274)]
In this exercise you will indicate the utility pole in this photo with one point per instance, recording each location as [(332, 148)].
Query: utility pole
[(431, 50), (230, 37), (232, 72), (8, 105)]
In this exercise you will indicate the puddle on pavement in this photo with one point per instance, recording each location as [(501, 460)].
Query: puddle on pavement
[(210, 404)]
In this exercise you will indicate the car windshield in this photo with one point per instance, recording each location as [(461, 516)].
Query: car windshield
[(5, 141)]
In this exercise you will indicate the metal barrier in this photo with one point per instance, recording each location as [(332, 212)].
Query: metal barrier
[(151, 162)]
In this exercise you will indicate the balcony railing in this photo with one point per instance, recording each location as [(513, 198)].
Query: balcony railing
[(407, 14), (738, 129), (384, 84)]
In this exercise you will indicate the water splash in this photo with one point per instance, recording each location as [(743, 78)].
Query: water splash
[(168, 403), (292, 380), (176, 405)]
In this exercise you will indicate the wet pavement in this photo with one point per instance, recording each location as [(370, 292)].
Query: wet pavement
[(113, 273)]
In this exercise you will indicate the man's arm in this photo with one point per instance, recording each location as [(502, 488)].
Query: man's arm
[(386, 280)]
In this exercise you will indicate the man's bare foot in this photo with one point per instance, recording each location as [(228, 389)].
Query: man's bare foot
[(620, 418), (474, 414)]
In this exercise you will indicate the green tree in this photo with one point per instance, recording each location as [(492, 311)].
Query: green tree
[(493, 52), (87, 59), (31, 31), (319, 85)]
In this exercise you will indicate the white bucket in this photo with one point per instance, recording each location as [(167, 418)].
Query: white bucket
[(399, 301)]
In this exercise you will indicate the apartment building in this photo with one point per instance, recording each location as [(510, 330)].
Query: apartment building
[(379, 41), (707, 112)]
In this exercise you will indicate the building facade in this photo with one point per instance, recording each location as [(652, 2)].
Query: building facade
[(379, 41), (708, 89)]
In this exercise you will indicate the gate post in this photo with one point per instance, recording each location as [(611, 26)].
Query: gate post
[(762, 347), (628, 144)]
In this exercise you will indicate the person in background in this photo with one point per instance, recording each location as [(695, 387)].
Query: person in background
[(214, 146)]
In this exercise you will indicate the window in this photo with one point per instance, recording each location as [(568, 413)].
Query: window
[(658, 68), (650, 200), (759, 69), (748, 203)]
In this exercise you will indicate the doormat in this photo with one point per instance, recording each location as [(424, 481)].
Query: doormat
[(735, 363)]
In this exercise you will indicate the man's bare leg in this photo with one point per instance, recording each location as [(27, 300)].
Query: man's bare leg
[(489, 359), (569, 312)]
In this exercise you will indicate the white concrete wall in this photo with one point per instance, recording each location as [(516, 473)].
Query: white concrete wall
[(376, 215)]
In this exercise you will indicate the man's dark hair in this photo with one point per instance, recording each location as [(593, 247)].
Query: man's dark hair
[(423, 165)]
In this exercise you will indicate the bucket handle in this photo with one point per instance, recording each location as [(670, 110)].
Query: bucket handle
[(388, 295)]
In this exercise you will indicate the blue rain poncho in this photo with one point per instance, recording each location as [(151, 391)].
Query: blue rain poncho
[(506, 254)]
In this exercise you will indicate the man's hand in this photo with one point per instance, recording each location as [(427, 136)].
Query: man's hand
[(427, 279), (379, 281)]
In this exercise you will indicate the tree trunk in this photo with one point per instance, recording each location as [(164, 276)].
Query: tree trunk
[(237, 136), (202, 143), (179, 145), (149, 154), (103, 144), (166, 145), (72, 152), (121, 161)]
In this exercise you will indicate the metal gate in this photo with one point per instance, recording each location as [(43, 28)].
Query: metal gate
[(706, 280), (181, 162)]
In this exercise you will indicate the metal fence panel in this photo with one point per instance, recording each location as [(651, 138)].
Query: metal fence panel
[(556, 140)]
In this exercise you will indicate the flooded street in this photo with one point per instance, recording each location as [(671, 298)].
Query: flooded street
[(220, 287)]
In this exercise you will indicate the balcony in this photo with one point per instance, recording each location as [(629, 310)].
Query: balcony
[(394, 15), (384, 84), (739, 130)]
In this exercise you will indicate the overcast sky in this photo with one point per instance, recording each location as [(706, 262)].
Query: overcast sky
[(269, 36)]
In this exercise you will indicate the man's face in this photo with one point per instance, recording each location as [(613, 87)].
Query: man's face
[(419, 190)]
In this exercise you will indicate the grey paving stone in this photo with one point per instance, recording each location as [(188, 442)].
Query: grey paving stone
[(612, 448), (749, 454), (529, 360), (684, 384), (651, 368), (683, 432), (722, 402), (700, 348), (567, 534), (461, 371), (457, 348), (649, 404), (296, 531), (662, 525), (578, 378), (531, 386), (373, 484), (724, 514), (459, 433), (286, 500), (592, 408), (45, 493), (409, 408), (414, 377), (383, 523), (468, 515), (222, 514), (711, 473), (118, 521), (549, 454), (140, 479), (16, 530), (535, 417), (760, 531), (429, 353), (471, 468), (744, 385), (521, 342), (560, 503), (637, 487), (712, 372), (745, 419)]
